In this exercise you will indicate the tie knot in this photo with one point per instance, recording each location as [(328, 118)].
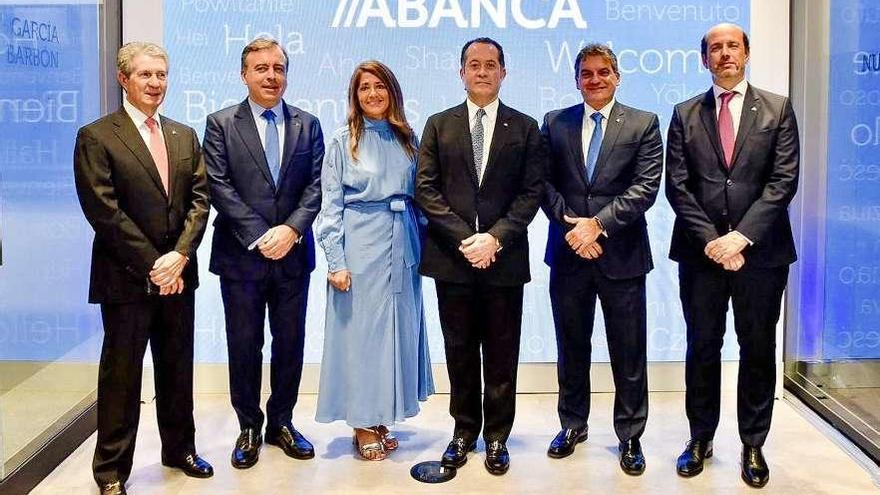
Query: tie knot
[(597, 117), (151, 123), (726, 96), (481, 112), (269, 115)]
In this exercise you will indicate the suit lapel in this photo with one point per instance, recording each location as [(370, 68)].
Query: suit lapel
[(499, 138), (612, 131), (172, 145), (127, 133), (247, 129), (292, 129), (460, 113), (575, 127), (710, 122), (750, 109)]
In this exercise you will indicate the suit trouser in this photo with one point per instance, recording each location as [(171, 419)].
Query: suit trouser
[(475, 317), (245, 303), (573, 298), (166, 322), (756, 295)]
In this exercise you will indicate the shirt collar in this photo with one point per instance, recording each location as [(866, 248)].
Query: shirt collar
[(491, 109), (605, 111), (740, 89), (258, 110), (139, 118)]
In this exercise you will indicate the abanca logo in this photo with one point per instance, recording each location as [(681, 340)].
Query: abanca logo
[(427, 13)]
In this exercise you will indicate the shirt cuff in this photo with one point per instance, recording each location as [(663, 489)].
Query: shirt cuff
[(257, 242), (743, 237)]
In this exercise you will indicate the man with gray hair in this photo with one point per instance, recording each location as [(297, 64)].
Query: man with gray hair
[(142, 186)]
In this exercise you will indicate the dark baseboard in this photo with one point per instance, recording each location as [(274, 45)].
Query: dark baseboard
[(53, 453)]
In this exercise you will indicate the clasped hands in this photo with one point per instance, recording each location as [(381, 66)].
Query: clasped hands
[(167, 273), (582, 238), (727, 251), (479, 249), (277, 241)]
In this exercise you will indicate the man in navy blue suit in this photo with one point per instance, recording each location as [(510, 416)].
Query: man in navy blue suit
[(264, 166), (604, 173)]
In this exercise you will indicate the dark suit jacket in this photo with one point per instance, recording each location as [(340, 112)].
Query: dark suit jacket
[(625, 184), (246, 199), (135, 221), (447, 190), (751, 197)]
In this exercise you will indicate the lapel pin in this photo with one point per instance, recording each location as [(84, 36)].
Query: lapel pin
[(504, 124), (754, 109), (618, 120), (173, 132)]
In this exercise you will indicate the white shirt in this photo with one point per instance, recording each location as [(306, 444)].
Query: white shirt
[(735, 104), (488, 128), (140, 121), (589, 124), (262, 123)]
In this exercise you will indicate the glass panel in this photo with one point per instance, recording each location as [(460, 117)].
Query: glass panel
[(835, 355), (49, 336)]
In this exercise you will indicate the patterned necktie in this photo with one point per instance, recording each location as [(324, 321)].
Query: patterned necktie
[(725, 127), (158, 151), (595, 145), (272, 149), (477, 141)]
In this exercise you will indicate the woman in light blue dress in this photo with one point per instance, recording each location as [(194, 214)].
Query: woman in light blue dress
[(375, 368)]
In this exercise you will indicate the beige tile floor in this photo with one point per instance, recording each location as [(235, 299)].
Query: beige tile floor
[(802, 459), (37, 399)]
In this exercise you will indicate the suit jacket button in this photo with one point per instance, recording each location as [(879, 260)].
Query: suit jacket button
[(589, 197), (729, 182)]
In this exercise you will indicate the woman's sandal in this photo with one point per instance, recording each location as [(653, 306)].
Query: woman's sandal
[(389, 441), (373, 451)]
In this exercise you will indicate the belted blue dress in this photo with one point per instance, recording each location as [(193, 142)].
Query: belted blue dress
[(375, 367)]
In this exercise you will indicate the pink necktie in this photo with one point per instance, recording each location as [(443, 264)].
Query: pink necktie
[(158, 151), (725, 127)]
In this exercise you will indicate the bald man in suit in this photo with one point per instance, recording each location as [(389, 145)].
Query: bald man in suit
[(732, 164)]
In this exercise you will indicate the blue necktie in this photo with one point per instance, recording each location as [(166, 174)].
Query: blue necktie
[(272, 149), (595, 145)]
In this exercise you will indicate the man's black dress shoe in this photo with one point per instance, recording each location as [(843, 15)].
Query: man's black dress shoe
[(754, 468), (455, 455), (632, 460), (115, 488), (291, 442), (690, 462), (247, 449), (192, 465), (565, 441), (497, 458)]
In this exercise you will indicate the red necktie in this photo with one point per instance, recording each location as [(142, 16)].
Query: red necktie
[(725, 127), (158, 151)]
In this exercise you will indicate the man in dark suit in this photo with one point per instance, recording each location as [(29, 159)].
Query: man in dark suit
[(731, 171), (264, 166), (479, 184), (604, 172), (141, 182)]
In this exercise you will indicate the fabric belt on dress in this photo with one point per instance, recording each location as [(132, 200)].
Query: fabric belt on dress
[(404, 252)]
